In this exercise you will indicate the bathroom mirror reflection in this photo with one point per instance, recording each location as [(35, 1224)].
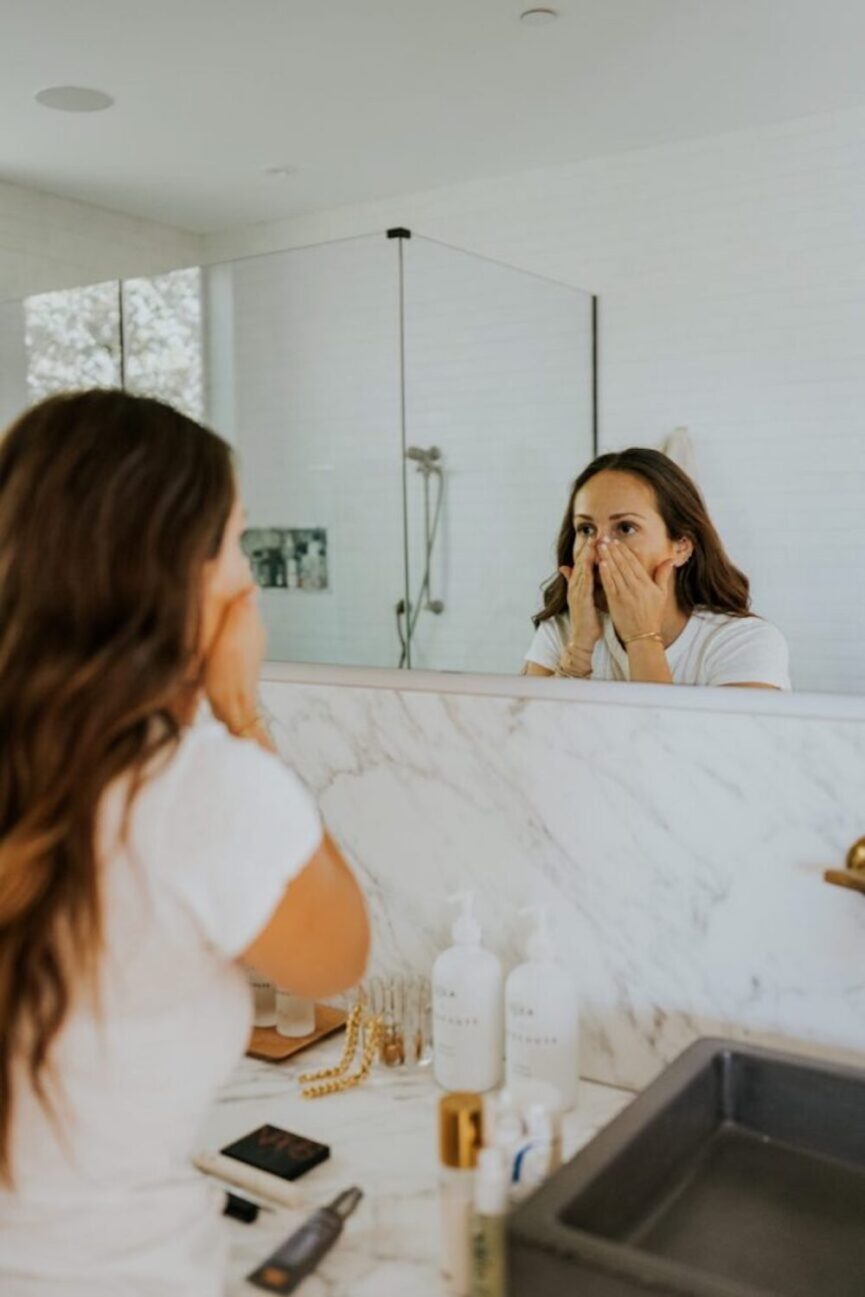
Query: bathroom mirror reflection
[(410, 420)]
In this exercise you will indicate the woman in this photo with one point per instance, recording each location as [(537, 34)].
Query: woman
[(150, 844), (645, 590)]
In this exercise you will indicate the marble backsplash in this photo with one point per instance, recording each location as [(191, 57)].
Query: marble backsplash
[(681, 853)]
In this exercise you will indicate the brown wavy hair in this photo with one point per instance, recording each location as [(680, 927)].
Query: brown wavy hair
[(707, 581), (110, 506)]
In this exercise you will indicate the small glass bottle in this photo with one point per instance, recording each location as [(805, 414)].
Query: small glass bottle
[(264, 999), (295, 1016), (488, 1230)]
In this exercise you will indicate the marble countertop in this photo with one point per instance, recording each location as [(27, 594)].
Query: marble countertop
[(383, 1138)]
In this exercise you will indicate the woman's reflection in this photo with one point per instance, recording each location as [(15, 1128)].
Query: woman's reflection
[(645, 590)]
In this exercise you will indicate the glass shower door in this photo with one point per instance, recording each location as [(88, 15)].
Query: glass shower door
[(499, 390)]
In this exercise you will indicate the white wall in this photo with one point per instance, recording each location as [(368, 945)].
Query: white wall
[(732, 277), (48, 242), (13, 362)]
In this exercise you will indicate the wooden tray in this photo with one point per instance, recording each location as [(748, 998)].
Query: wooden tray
[(266, 1042)]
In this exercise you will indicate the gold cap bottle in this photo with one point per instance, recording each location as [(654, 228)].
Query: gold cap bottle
[(460, 1130)]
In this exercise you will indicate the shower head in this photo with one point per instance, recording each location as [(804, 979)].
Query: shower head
[(425, 457)]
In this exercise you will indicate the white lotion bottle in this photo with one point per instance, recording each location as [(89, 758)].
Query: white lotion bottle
[(542, 1018), (467, 1009)]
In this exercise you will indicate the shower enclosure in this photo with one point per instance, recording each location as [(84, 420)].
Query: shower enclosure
[(407, 418)]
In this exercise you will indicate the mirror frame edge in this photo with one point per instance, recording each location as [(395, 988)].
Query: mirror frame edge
[(732, 701)]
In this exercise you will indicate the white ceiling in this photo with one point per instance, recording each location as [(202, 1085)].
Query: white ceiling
[(375, 97)]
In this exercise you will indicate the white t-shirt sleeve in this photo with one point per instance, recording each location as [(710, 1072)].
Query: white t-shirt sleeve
[(747, 650), (546, 647), (239, 828)]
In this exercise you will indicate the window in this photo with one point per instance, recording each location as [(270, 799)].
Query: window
[(72, 338), (162, 339), (141, 334)]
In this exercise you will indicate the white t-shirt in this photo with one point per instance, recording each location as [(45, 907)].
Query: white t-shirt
[(713, 649), (112, 1205)]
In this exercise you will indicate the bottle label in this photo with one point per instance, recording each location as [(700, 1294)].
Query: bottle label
[(468, 1045), (532, 1039)]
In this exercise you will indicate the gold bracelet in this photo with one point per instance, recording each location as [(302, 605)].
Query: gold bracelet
[(257, 722), (649, 634), (564, 668)]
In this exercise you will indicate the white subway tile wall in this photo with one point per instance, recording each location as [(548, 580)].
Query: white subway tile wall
[(302, 354), (499, 377)]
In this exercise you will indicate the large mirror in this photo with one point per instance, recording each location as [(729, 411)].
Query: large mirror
[(409, 417)]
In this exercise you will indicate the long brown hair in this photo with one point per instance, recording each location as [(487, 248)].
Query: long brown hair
[(708, 580), (110, 506)]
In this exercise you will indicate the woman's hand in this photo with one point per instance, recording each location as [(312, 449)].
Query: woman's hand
[(586, 627), (232, 663), (637, 601)]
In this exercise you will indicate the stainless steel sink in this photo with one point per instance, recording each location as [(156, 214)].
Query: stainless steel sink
[(739, 1172)]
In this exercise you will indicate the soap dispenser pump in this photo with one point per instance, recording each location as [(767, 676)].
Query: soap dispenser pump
[(542, 1016), (467, 1008)]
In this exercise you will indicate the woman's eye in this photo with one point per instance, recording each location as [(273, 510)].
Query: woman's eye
[(584, 529), (628, 529)]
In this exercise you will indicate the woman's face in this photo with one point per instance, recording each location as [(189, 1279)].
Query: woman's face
[(620, 506), (226, 576)]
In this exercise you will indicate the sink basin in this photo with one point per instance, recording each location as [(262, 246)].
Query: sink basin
[(740, 1172)]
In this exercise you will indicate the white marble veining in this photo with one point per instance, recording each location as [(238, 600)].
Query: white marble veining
[(682, 852), (382, 1138)]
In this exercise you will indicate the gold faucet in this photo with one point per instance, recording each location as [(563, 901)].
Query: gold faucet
[(853, 876)]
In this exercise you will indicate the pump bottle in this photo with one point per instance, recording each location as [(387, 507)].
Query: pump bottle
[(467, 1008), (542, 1017)]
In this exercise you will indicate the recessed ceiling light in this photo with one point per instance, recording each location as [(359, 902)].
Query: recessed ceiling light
[(281, 169), (74, 99), (538, 17)]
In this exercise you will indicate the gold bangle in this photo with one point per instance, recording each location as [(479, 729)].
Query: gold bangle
[(257, 721), (564, 669), (650, 634)]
